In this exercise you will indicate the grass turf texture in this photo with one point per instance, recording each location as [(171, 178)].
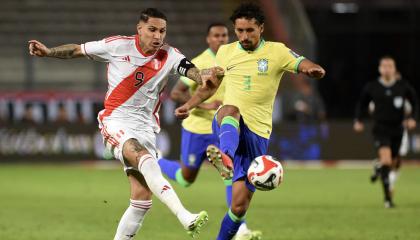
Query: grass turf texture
[(70, 202)]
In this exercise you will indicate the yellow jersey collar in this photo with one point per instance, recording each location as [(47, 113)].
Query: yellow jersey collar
[(262, 42), (211, 52)]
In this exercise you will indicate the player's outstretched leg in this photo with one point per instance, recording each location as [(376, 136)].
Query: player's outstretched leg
[(158, 185), (394, 174), (241, 198), (376, 170), (386, 162), (244, 233), (140, 203)]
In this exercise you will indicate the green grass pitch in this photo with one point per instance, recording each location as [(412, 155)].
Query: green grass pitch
[(74, 202)]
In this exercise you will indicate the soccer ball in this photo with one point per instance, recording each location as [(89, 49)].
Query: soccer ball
[(265, 173)]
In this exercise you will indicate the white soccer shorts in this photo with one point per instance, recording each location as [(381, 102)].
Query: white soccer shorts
[(115, 133)]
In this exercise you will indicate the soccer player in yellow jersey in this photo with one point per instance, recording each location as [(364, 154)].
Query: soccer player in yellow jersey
[(253, 69), (197, 128)]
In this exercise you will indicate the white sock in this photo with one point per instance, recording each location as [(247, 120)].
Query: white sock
[(393, 176), (132, 219), (160, 187), (243, 229)]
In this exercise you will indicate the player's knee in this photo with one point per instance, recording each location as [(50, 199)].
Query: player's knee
[(228, 110), (385, 156), (386, 160), (239, 209)]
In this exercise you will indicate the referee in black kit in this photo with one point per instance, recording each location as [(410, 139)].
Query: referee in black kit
[(389, 95)]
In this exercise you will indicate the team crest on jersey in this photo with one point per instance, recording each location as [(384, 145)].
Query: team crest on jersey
[(398, 102), (262, 66), (156, 64)]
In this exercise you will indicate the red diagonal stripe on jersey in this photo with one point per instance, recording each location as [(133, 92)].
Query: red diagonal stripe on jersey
[(268, 165), (127, 87), (157, 108)]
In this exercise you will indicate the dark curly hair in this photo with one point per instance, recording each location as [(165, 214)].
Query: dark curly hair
[(151, 12), (248, 11)]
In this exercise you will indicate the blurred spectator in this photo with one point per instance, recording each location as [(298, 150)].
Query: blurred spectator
[(62, 115), (4, 111), (43, 108), (307, 104), (307, 108), (28, 116)]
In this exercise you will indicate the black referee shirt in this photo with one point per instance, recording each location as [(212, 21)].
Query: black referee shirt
[(389, 102)]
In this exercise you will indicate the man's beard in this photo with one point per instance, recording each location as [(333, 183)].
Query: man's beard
[(249, 47)]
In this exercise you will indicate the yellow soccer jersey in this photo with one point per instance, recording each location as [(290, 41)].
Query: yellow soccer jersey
[(252, 79), (200, 120)]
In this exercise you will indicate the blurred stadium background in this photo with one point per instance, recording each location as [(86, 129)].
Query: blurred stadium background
[(48, 107), (55, 102)]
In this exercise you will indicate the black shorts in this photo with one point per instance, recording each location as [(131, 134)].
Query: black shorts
[(394, 142)]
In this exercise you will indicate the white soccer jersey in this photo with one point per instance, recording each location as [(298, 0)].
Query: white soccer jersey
[(135, 79)]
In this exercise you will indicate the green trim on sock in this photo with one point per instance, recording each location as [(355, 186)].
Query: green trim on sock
[(234, 218), (180, 179), (228, 182), (230, 120)]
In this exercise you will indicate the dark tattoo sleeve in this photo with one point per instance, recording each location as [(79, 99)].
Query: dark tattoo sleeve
[(194, 74), (65, 51)]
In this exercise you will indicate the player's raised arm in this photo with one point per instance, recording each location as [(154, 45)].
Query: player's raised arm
[(311, 69), (67, 51), (181, 94), (209, 80)]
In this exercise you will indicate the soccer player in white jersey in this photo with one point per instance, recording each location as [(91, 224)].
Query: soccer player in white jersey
[(138, 67)]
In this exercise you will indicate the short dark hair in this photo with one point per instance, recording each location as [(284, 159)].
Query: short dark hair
[(248, 11), (386, 57), (215, 24), (151, 12)]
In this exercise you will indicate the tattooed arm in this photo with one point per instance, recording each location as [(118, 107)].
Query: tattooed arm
[(67, 51), (194, 74), (209, 80)]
